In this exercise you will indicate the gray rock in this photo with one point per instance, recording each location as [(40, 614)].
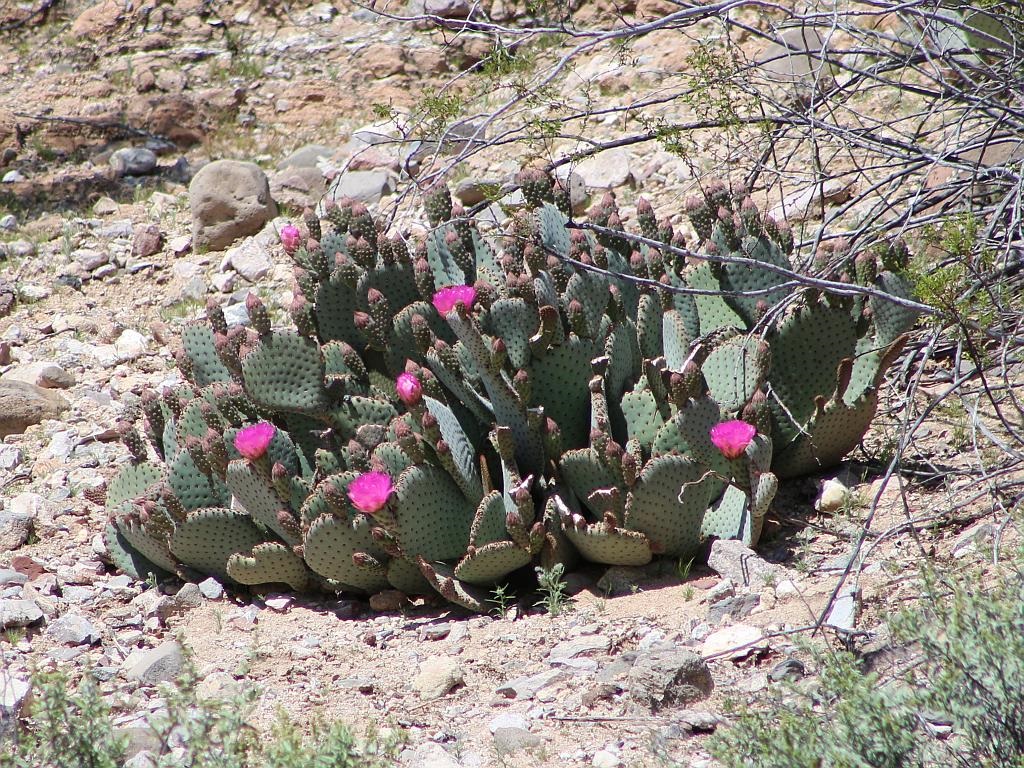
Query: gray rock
[(18, 613), (366, 186), (578, 196), (843, 615), (250, 259), (147, 239), (429, 754), (12, 177), (733, 560), (8, 576), (437, 675), (228, 199), (89, 258), (307, 156), (158, 665), (133, 161), (21, 249), (14, 695), (473, 191), (734, 607), (211, 589), (236, 314), (669, 676), (580, 646), (508, 720), (14, 531), (72, 629), (42, 374), (525, 688), (448, 9), (606, 170), (9, 223), (23, 404), (298, 187), (507, 741), (787, 669)]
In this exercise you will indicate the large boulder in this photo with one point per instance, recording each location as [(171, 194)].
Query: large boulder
[(23, 404), (229, 199)]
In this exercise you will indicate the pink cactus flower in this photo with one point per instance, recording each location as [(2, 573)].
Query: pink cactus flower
[(252, 441), (409, 388), (290, 238), (446, 299), (732, 437), (370, 491)]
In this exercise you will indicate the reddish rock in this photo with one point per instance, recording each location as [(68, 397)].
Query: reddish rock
[(147, 240)]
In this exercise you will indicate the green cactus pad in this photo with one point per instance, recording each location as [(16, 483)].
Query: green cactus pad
[(556, 379), (285, 372), (833, 431), (191, 423), (489, 521), (395, 281), (624, 360), (445, 269), (131, 482), (335, 305), (270, 563), (714, 312), (611, 547), (392, 458), (891, 320), (207, 367), (127, 558), (729, 518), (406, 576), (689, 432), (553, 233), (209, 537), (675, 340), (643, 419), (514, 321), (331, 542), (489, 563), (667, 504), (194, 489), (152, 549), (739, 278), (434, 517), (734, 371), (257, 497), (648, 327), (807, 348), (442, 579), (464, 454), (591, 291), (357, 411), (584, 473)]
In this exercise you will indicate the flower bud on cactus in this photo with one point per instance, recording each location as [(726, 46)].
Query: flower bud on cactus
[(410, 391), (291, 238), (258, 315)]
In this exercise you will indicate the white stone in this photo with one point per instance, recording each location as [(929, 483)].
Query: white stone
[(89, 258), (508, 720), (606, 170), (834, 497), (437, 675), (734, 642), (130, 345), (786, 589), (605, 758), (42, 374)]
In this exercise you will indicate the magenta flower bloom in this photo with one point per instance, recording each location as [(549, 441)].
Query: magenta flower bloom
[(290, 238), (732, 437), (446, 299), (252, 441), (370, 491), (409, 388)]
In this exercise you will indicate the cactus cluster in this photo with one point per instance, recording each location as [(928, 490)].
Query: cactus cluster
[(452, 410)]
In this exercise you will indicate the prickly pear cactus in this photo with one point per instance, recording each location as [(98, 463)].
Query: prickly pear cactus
[(447, 411)]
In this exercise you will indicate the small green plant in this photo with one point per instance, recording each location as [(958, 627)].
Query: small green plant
[(501, 599), (683, 568), (552, 585)]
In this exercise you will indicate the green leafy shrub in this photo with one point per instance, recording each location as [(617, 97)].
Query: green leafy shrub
[(971, 675), (74, 729)]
